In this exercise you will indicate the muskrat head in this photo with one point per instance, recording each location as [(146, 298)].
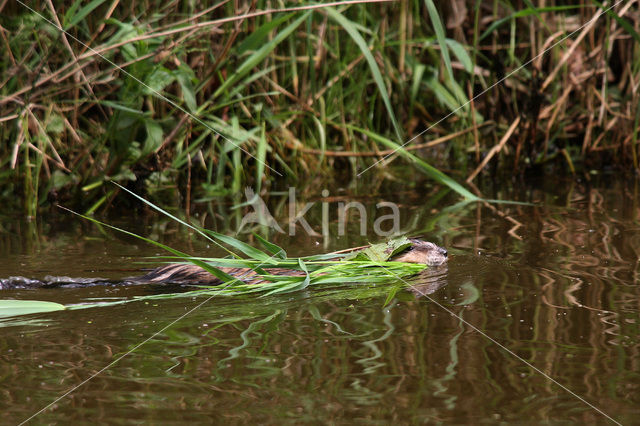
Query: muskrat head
[(422, 252)]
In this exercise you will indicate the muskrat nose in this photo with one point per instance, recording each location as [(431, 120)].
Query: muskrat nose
[(444, 252)]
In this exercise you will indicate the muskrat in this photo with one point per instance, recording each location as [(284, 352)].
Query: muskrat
[(187, 274), (418, 252)]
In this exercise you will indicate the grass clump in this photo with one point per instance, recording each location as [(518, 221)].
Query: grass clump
[(371, 266), (158, 95)]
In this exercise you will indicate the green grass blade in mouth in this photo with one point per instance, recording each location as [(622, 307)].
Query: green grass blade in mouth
[(245, 248), (211, 269), (274, 249)]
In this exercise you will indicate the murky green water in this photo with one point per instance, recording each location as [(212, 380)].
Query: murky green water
[(555, 283)]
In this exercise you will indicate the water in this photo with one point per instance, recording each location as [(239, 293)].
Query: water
[(554, 282)]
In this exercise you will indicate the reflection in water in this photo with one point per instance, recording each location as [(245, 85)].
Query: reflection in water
[(561, 291), (429, 280), (23, 283)]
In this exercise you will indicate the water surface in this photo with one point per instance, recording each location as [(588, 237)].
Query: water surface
[(555, 282)]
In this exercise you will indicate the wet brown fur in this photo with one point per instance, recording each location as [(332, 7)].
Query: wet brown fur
[(178, 273), (419, 252), (422, 252)]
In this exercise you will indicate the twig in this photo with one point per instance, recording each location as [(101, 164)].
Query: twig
[(569, 52), (81, 73), (497, 148)]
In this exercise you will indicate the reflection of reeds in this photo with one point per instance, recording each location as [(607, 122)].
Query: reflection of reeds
[(565, 293), (564, 296)]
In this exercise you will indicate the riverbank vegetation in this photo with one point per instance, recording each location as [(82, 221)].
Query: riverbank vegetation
[(205, 99)]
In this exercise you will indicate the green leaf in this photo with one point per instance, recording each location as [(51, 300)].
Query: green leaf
[(166, 213), (391, 295), (252, 61), (623, 22), (154, 137), (261, 156), (523, 13), (418, 72), (125, 32), (272, 248), (184, 75), (212, 270), (302, 265), (259, 36), (59, 179), (440, 35), (245, 248), (289, 288), (461, 54), (431, 171), (55, 124), (120, 107), (11, 308), (382, 252), (443, 94), (351, 29), (73, 18), (157, 80)]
